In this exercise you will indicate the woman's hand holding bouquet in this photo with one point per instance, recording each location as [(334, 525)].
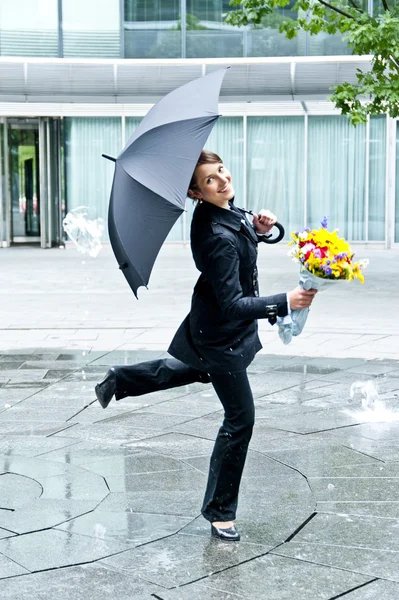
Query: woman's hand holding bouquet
[(324, 258)]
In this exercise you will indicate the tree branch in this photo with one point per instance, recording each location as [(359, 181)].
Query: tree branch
[(356, 7), (394, 63), (338, 10), (385, 4)]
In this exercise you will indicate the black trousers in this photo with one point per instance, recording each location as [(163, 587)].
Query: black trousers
[(231, 446)]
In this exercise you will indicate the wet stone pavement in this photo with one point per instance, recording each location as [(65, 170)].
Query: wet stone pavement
[(94, 502)]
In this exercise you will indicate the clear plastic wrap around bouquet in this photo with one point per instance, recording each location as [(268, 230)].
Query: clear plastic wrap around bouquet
[(324, 259)]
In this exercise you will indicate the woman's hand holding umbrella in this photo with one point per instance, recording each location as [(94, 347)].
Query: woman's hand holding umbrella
[(264, 221)]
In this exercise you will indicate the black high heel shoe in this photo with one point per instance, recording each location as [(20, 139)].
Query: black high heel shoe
[(106, 389), (231, 534)]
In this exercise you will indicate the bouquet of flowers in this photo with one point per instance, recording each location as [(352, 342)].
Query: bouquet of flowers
[(324, 258)]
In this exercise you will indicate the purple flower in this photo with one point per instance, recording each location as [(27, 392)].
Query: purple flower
[(328, 271), (324, 222)]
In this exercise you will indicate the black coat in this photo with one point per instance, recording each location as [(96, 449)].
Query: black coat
[(220, 334)]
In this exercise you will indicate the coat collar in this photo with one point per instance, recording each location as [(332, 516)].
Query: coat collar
[(228, 218)]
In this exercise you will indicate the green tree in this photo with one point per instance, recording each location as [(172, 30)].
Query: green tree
[(376, 35)]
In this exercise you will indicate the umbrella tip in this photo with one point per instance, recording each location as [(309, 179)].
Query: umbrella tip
[(109, 157)]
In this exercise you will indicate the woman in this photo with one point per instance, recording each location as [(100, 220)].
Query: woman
[(219, 338)]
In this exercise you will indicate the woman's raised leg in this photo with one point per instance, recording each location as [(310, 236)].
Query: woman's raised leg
[(146, 377)]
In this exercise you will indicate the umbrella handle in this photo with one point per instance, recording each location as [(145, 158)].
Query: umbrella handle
[(274, 240), (268, 239)]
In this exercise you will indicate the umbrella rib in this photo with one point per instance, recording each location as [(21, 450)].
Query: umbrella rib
[(116, 232), (213, 115)]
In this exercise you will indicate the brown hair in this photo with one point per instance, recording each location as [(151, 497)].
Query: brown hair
[(205, 158)]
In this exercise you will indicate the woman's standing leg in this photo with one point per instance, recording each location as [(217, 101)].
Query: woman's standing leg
[(230, 450)]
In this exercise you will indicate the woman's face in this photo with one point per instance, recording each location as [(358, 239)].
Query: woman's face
[(213, 184)]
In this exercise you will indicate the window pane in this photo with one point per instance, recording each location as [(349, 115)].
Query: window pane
[(397, 188), (207, 34), (130, 125), (276, 168), (29, 28), (336, 175), (266, 40), (376, 224), (91, 28), (3, 233), (324, 44), (89, 176), (152, 29)]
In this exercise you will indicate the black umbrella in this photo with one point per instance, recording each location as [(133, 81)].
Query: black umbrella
[(153, 172)]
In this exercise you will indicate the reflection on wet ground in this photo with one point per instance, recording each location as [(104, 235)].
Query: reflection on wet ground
[(96, 502)]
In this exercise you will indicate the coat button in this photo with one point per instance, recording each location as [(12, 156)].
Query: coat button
[(256, 293)]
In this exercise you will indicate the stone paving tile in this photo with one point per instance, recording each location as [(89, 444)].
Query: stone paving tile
[(315, 421), (28, 376), (367, 509), (129, 528), (30, 446), (16, 491), (58, 549), (22, 414), (371, 469), (276, 578), (315, 458), (352, 532), (33, 468), (83, 453), (364, 561), (329, 489), (145, 419), (131, 464), (175, 445), (9, 568), (108, 432), (41, 513), (91, 581), (77, 484), (126, 357), (37, 428), (192, 405), (385, 432), (182, 558), (383, 590), (184, 503), (156, 491), (136, 473)]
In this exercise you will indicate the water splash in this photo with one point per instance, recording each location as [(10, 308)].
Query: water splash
[(85, 232), (374, 410), (368, 392)]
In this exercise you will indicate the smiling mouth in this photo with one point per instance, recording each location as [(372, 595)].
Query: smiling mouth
[(225, 189)]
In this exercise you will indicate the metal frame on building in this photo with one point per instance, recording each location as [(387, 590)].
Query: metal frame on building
[(133, 81)]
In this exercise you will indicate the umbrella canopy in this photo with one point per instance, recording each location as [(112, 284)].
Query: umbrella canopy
[(153, 172)]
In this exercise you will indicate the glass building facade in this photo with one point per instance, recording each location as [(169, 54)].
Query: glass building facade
[(301, 166), (147, 29)]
